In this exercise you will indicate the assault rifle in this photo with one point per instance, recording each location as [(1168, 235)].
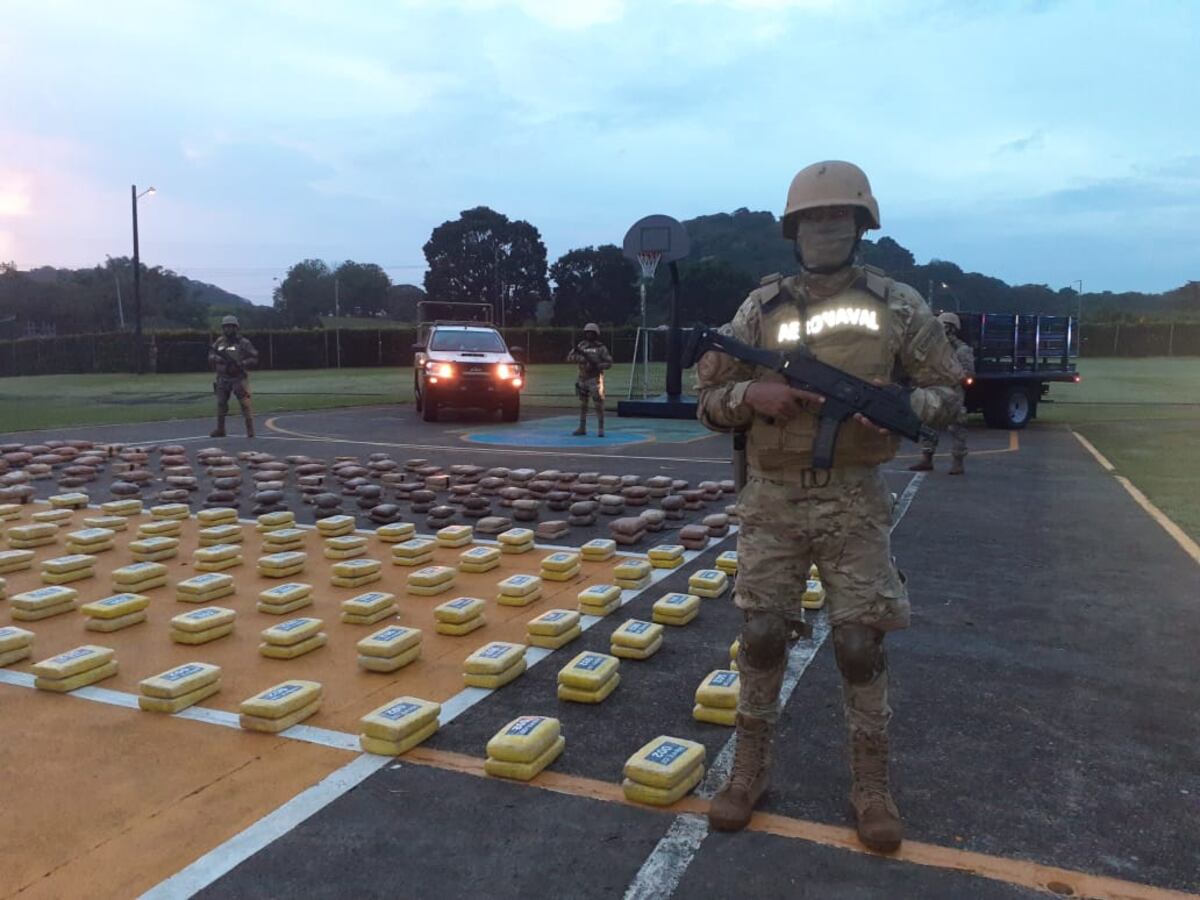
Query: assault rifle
[(234, 369), (845, 395)]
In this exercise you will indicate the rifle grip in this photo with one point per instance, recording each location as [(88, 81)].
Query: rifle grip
[(825, 442)]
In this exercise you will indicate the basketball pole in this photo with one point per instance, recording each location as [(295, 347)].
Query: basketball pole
[(645, 336), (674, 372)]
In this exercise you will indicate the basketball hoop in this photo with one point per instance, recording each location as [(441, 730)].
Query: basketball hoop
[(648, 260)]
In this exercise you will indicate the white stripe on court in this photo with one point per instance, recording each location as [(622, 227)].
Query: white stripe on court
[(233, 852), (664, 868)]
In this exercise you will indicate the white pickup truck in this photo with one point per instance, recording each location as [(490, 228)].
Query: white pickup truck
[(465, 365)]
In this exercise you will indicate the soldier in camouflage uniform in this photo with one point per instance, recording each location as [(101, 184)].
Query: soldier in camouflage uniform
[(594, 360), (232, 356), (957, 428), (792, 515)]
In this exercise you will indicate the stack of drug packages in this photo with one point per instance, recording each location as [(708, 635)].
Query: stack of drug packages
[(395, 532), (345, 546), (494, 665), (663, 771), (217, 557), (553, 629), (589, 678), (369, 608), (479, 559), (90, 540), (292, 638), (66, 569), (73, 500), (281, 540), (139, 577), (33, 606), (282, 706), (31, 536), (75, 669), (398, 726), (413, 552), (179, 688), (282, 565), (154, 548), (516, 540), (708, 583), (675, 608), (389, 649), (519, 590), (16, 644), (335, 526), (115, 613), (15, 561), (274, 521), (204, 588), (202, 626), (598, 550), (455, 536), (717, 698), (727, 562), (636, 639), (356, 573), (459, 616), (666, 556), (599, 599), (814, 593), (285, 598), (560, 566), (524, 747), (634, 574), (429, 581), (126, 509)]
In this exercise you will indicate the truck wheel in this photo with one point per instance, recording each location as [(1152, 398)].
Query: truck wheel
[(417, 395), (429, 411), (511, 410), (1012, 407)]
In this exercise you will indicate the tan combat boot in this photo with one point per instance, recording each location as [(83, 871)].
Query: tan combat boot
[(219, 431), (249, 426), (956, 468), (600, 422), (582, 429), (925, 465), (731, 809), (875, 813)]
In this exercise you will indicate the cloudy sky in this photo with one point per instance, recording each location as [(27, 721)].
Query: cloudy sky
[(1037, 141)]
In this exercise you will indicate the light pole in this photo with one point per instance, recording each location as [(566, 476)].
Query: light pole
[(139, 360)]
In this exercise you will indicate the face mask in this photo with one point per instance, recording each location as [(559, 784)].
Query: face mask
[(826, 246)]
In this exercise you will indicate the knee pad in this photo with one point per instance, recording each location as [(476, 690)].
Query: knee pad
[(764, 639), (859, 652)]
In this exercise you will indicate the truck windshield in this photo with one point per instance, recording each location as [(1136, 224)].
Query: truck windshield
[(462, 339)]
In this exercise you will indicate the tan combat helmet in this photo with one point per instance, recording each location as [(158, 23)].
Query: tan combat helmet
[(829, 183), (230, 320), (591, 326), (949, 318)]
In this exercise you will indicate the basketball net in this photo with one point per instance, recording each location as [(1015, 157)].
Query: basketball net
[(648, 260)]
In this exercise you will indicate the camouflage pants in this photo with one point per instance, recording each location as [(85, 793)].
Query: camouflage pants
[(958, 434), (844, 526), (238, 387), (590, 389)]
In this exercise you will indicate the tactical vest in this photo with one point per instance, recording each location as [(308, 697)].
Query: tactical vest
[(854, 331)]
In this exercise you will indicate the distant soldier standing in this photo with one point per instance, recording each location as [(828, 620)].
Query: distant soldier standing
[(957, 428), (232, 356), (792, 515), (594, 360)]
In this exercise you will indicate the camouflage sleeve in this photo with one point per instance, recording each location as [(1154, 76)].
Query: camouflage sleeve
[(249, 356), (966, 358), (928, 359), (721, 380), (605, 358), (213, 359), (574, 356)]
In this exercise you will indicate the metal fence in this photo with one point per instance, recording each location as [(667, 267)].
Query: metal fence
[(353, 348)]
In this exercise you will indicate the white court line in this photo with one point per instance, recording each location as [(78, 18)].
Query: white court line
[(242, 846), (664, 868)]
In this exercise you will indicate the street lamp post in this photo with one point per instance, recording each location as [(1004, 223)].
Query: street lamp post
[(139, 359)]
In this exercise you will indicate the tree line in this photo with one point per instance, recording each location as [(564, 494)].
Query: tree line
[(484, 256)]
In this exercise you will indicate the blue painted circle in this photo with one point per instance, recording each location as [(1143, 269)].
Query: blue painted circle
[(533, 437)]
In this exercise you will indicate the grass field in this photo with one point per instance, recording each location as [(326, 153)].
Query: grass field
[(1143, 414), (54, 401)]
